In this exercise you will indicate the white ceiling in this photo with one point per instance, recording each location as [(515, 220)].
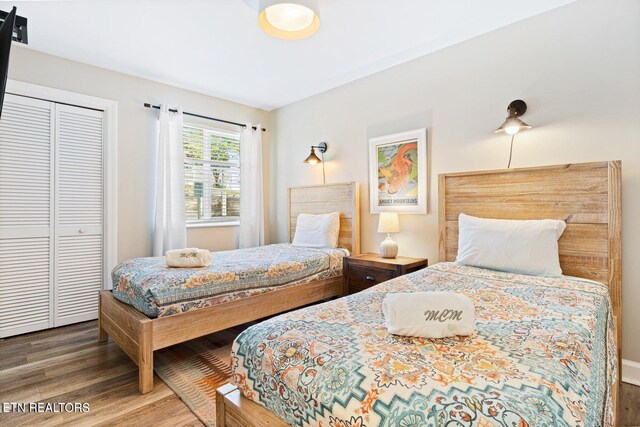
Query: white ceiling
[(216, 47)]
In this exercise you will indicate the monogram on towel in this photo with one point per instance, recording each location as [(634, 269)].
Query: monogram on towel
[(446, 314), (188, 254)]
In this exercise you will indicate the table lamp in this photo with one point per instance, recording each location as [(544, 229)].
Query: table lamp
[(388, 224)]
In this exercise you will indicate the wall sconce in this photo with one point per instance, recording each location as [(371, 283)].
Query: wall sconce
[(513, 124), (312, 159)]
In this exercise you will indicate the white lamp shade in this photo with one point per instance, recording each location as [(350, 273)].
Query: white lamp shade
[(388, 223), (289, 19)]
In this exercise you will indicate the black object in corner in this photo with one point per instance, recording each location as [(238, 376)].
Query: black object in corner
[(6, 36)]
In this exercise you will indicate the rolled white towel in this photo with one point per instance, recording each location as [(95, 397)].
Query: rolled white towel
[(188, 258), (428, 314)]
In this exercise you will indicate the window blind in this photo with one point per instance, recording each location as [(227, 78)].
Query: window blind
[(212, 175)]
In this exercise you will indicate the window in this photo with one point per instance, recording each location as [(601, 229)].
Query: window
[(212, 175)]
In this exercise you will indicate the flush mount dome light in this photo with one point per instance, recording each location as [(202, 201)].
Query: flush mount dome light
[(289, 19)]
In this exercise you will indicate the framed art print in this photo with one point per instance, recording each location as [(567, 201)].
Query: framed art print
[(398, 172)]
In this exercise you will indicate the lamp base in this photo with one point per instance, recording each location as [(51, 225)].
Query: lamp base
[(388, 248)]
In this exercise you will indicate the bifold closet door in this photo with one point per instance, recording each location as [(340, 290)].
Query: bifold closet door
[(79, 214), (26, 212), (51, 214)]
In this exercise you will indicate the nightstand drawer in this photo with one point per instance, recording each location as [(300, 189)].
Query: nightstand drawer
[(364, 277), (366, 270)]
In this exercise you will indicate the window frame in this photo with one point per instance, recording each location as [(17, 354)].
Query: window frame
[(211, 222)]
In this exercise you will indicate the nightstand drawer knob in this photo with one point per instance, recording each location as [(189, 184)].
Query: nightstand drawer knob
[(370, 278)]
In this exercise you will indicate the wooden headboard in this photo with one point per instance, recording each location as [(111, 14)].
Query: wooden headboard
[(323, 199), (586, 195)]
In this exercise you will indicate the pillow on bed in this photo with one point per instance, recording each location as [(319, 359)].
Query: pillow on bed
[(527, 247), (317, 231)]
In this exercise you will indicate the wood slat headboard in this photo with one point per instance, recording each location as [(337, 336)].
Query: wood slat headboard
[(585, 195), (323, 199)]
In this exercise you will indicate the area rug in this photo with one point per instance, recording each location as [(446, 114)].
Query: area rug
[(195, 369)]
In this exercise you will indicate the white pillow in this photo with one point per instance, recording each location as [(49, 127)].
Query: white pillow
[(527, 247), (317, 231)]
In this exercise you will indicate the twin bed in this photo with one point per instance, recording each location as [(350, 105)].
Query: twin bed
[(152, 306), (545, 350), (542, 354)]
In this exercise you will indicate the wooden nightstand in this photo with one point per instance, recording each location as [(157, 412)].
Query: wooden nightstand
[(363, 271)]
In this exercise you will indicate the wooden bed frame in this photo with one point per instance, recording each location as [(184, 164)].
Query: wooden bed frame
[(586, 195), (139, 336)]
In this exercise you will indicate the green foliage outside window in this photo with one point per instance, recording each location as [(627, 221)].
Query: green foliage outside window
[(212, 175)]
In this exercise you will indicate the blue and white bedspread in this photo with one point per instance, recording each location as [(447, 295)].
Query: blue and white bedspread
[(157, 290), (543, 354)]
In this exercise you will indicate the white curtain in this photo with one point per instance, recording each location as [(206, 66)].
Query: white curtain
[(251, 199), (170, 218)]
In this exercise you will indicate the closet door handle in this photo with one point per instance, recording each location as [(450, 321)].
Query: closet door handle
[(82, 230), (370, 278)]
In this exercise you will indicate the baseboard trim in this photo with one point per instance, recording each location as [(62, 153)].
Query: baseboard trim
[(630, 372)]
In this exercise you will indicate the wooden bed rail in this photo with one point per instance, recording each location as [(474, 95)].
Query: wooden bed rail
[(234, 410), (139, 336)]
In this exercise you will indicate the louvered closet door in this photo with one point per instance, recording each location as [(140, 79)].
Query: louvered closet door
[(79, 214), (26, 206)]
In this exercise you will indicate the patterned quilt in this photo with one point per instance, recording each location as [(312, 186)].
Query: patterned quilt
[(543, 354), (157, 290)]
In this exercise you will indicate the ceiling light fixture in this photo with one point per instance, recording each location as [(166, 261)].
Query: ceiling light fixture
[(289, 19)]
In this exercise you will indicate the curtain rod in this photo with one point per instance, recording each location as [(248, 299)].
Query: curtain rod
[(157, 107)]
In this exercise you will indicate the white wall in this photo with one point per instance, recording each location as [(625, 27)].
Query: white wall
[(136, 130), (578, 69)]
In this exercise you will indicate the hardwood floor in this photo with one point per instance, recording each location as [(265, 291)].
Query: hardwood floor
[(630, 406), (68, 365)]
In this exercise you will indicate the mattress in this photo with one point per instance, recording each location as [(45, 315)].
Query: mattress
[(543, 354), (157, 290)]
